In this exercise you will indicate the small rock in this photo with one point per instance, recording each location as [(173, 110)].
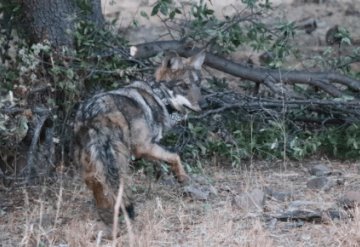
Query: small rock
[(294, 224), (278, 195), (319, 183), (271, 224), (350, 199), (199, 179), (266, 58), (335, 214), (320, 170), (300, 215), (250, 201), (169, 181), (351, 10), (282, 196), (340, 181), (195, 193)]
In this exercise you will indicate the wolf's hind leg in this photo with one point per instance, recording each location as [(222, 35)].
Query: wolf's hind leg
[(155, 152), (103, 168), (104, 201)]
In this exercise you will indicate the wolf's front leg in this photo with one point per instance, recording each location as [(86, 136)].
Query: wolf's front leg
[(155, 152)]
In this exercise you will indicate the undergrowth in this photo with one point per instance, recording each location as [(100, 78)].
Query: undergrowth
[(100, 61), (235, 138)]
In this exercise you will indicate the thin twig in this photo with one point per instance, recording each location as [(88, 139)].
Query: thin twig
[(116, 211), (128, 226)]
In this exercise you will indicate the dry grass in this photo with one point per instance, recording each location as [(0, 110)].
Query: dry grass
[(63, 214)]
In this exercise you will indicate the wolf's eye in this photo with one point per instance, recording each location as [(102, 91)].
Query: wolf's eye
[(184, 86)]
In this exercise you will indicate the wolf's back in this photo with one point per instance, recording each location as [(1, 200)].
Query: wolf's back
[(105, 130)]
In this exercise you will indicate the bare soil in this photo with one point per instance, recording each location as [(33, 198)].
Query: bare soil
[(62, 213)]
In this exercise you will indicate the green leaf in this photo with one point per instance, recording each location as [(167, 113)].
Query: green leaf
[(172, 14), (164, 9), (155, 10), (209, 12), (144, 14)]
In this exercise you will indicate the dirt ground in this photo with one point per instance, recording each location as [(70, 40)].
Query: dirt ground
[(62, 214)]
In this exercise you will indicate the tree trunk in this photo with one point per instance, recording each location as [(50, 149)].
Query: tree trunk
[(54, 20), (95, 14)]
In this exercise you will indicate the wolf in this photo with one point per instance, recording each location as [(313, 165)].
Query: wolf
[(113, 127)]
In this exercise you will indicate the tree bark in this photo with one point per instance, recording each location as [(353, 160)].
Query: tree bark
[(49, 20), (54, 20)]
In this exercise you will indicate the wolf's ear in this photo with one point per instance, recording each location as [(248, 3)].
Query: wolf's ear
[(197, 60), (175, 63), (172, 61)]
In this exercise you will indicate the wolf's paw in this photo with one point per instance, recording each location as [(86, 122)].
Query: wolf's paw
[(184, 179)]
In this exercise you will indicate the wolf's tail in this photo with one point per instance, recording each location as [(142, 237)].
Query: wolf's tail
[(103, 156)]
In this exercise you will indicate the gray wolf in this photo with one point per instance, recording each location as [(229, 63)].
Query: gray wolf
[(113, 127)]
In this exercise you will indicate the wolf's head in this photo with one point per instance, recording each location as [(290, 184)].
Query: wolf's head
[(180, 79)]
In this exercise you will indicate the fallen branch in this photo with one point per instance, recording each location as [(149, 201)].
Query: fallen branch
[(269, 77), (341, 111)]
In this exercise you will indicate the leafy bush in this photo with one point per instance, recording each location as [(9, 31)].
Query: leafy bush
[(238, 136), (223, 36), (238, 140), (100, 62), (38, 75)]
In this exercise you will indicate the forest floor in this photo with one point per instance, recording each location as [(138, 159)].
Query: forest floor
[(261, 203), (248, 206)]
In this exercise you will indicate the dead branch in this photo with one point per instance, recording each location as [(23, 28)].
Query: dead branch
[(325, 81), (41, 116), (332, 111)]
